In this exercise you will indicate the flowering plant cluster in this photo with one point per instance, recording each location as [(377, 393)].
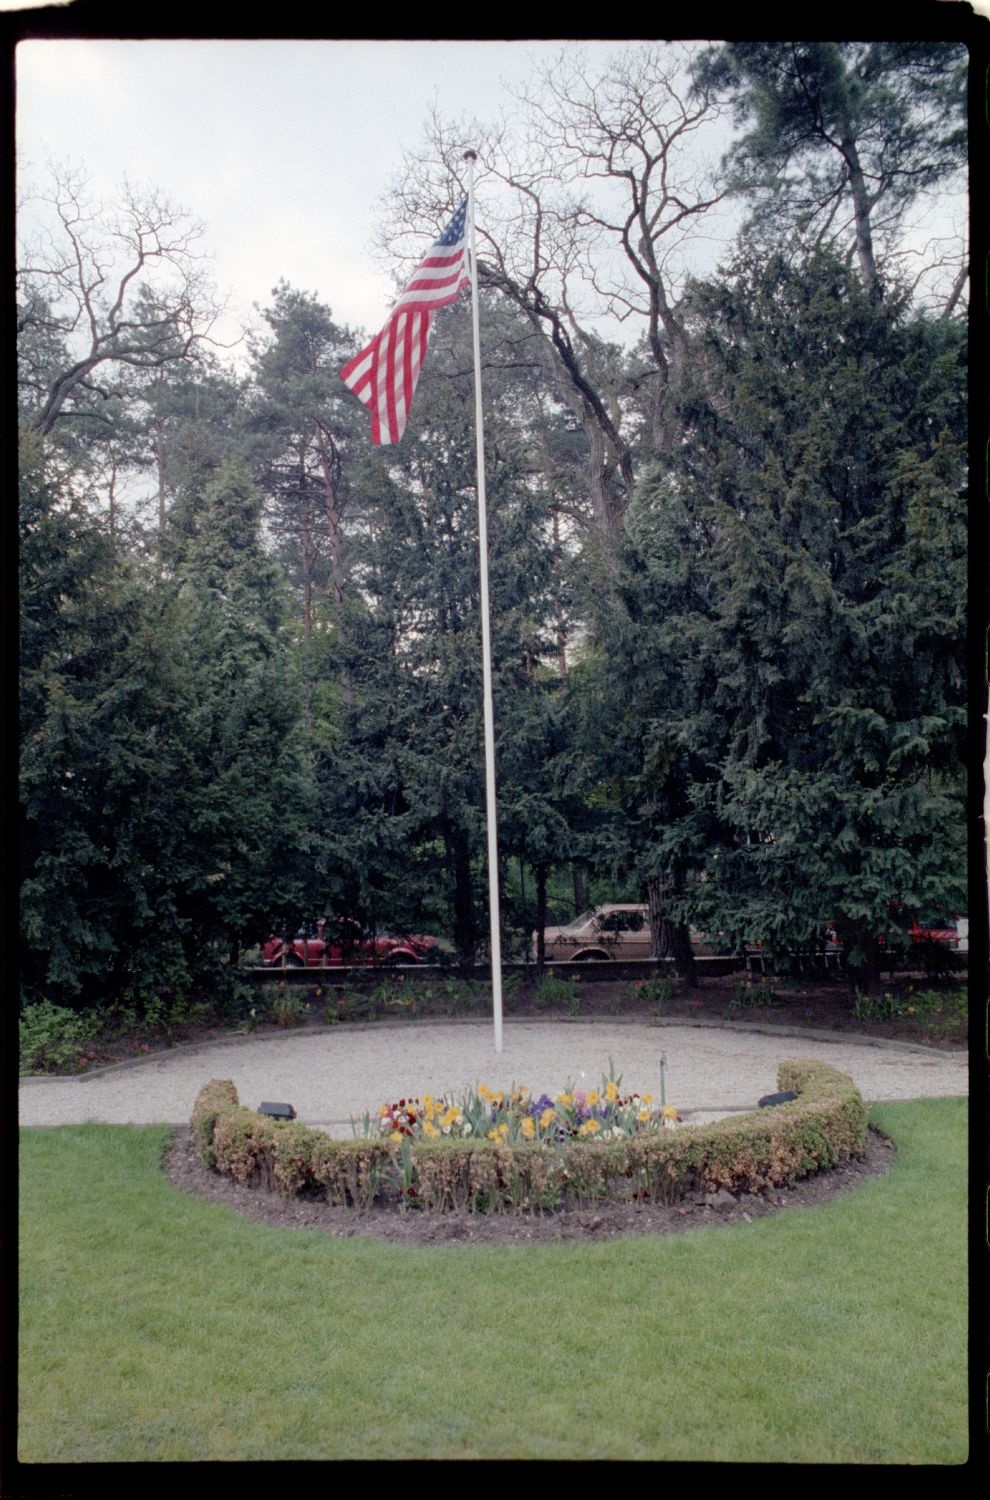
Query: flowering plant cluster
[(424, 1120), (507, 1116)]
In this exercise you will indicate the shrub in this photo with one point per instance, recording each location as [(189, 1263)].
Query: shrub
[(940, 1010), (231, 995), (554, 991), (825, 1124), (657, 991), (462, 996), (350, 1172), (394, 997), (751, 994), (213, 1100), (287, 1008), (54, 1039)]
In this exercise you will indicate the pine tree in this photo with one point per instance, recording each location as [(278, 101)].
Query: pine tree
[(844, 136), (405, 776), (234, 757)]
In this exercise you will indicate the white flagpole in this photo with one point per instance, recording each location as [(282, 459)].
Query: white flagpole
[(486, 644)]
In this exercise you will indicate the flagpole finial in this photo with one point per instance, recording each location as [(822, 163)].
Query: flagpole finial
[(470, 155)]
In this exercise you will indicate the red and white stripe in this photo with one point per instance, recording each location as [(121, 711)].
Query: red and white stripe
[(384, 374)]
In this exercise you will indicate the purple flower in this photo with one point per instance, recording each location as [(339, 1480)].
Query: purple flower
[(542, 1103)]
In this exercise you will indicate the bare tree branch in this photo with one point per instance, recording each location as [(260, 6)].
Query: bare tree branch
[(119, 287)]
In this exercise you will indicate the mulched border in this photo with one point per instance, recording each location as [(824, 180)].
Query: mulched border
[(186, 1172)]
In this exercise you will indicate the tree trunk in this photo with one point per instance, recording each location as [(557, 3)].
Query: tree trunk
[(580, 888), (669, 939), (864, 974), (459, 857), (308, 553), (861, 212), (112, 495), (330, 464), (683, 953), (560, 624), (160, 464), (658, 890), (541, 916)]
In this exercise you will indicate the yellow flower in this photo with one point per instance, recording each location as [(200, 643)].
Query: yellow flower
[(484, 1092), (594, 1098), (564, 1099), (547, 1118), (647, 1098), (430, 1131), (528, 1128), (643, 1116), (589, 1127), (427, 1101), (669, 1112), (611, 1091), (493, 1134), (396, 1135)]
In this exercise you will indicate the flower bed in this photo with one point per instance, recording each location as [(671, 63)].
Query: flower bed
[(525, 1172), (508, 1117)]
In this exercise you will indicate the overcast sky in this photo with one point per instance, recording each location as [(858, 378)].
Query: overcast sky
[(283, 148)]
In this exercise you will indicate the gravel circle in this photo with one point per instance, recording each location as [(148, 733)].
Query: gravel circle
[(333, 1074)]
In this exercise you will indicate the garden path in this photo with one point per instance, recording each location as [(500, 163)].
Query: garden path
[(332, 1074)]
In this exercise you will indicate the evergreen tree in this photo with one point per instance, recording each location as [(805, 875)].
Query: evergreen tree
[(306, 436), (818, 640), (166, 800), (83, 755), (844, 136), (191, 419), (405, 777), (236, 763)]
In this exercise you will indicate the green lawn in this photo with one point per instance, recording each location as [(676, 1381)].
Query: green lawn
[(159, 1327)]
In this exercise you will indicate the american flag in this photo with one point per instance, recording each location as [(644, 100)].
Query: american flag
[(384, 375)]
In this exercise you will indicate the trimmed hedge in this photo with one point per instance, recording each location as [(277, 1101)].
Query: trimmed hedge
[(824, 1125)]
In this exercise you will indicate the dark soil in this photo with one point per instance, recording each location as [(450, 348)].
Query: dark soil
[(820, 1004), (186, 1171)]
